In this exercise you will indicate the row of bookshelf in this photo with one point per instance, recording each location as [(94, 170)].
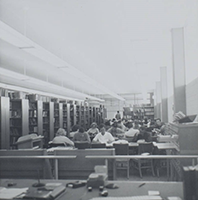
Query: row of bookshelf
[(24, 117)]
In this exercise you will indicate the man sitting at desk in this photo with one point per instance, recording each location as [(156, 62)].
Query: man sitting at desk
[(132, 134), (103, 136), (81, 136), (159, 127), (61, 138)]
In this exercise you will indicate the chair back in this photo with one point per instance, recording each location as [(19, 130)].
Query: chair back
[(50, 145), (146, 147), (98, 145), (121, 149), (82, 145)]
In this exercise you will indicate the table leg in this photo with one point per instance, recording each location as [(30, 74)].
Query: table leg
[(56, 168), (168, 171)]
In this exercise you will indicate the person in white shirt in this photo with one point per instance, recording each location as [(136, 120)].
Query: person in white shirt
[(103, 136)]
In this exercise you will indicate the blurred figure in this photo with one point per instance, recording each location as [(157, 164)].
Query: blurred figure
[(93, 131), (118, 116), (114, 130), (159, 127), (103, 136), (61, 138), (132, 134), (74, 131), (81, 136)]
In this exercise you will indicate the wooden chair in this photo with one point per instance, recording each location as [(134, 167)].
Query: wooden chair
[(144, 149), (122, 149)]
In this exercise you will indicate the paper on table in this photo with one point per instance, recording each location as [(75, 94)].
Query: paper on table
[(10, 193), (152, 193)]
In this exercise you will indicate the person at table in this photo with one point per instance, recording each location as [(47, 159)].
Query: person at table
[(132, 134), (93, 131), (74, 131), (61, 138), (159, 127), (81, 136), (103, 136), (115, 131), (121, 125), (118, 116)]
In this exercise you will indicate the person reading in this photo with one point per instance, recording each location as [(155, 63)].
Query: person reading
[(81, 136), (103, 136)]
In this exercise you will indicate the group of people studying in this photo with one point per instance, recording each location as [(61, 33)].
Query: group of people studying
[(111, 131)]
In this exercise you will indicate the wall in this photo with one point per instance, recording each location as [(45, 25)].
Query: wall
[(192, 97)]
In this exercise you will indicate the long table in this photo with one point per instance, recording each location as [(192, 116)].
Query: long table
[(126, 188)]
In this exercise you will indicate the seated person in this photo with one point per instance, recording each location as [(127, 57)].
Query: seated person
[(159, 127), (74, 130), (121, 125), (132, 133), (61, 138), (81, 136), (115, 131), (103, 136), (93, 131)]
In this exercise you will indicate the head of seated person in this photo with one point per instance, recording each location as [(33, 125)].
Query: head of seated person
[(81, 136), (103, 136), (73, 130), (62, 138)]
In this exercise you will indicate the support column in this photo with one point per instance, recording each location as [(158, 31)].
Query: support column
[(178, 56), (158, 100), (164, 98)]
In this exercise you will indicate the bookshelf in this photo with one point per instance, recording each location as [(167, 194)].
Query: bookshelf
[(48, 126), (4, 123), (66, 117), (35, 117), (90, 115), (58, 116), (19, 119), (78, 112), (87, 119)]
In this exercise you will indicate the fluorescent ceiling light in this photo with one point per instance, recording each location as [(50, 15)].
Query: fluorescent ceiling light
[(28, 79), (31, 91), (22, 42)]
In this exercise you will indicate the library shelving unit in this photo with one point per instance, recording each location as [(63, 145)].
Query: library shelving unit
[(77, 114), (90, 115), (66, 117), (148, 111), (58, 116), (36, 117), (48, 126), (4, 123), (94, 114), (82, 116), (87, 119), (72, 115), (19, 119)]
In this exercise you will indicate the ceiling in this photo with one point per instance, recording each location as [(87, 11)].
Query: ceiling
[(107, 46)]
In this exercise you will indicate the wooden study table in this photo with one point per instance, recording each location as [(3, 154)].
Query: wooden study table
[(126, 188)]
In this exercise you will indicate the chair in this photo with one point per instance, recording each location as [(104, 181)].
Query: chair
[(144, 149), (98, 145), (51, 144), (82, 145), (122, 149)]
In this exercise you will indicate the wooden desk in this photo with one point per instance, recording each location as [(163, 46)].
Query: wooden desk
[(165, 146), (126, 188)]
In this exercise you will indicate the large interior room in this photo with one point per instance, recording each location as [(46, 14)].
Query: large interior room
[(98, 98)]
